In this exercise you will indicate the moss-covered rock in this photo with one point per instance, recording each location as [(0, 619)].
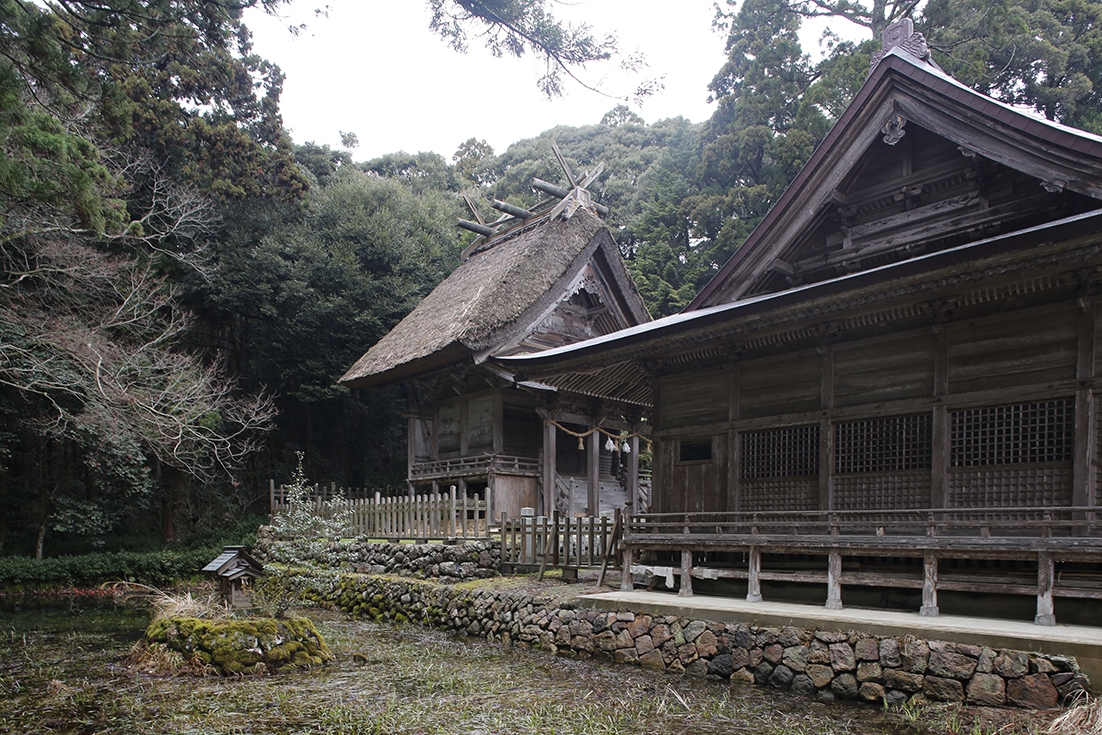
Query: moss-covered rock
[(242, 646)]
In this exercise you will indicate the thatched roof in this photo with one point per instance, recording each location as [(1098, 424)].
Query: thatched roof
[(487, 299)]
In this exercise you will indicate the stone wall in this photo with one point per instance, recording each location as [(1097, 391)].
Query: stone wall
[(824, 664), (470, 560)]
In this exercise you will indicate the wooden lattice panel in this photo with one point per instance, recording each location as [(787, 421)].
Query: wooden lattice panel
[(1021, 433), (893, 444), (789, 452), (882, 491), (780, 493), (1011, 486)]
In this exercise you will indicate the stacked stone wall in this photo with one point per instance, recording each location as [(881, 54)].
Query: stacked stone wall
[(447, 562), (820, 663)]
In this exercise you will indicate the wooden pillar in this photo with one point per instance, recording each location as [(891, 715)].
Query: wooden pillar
[(499, 422), (1046, 573), (686, 588), (826, 432), (1083, 471), (753, 577), (464, 426), (734, 443), (593, 473), (550, 472), (634, 496), (940, 450), (627, 579), (929, 585), (834, 580)]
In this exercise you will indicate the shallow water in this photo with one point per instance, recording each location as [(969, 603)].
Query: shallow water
[(61, 672)]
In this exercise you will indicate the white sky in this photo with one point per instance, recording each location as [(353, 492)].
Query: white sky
[(373, 67)]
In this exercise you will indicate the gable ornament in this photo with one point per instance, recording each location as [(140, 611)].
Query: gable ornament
[(901, 34), (893, 129)]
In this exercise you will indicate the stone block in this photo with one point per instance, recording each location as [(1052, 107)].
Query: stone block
[(742, 676), (782, 677), (740, 658), (652, 660), (795, 657), (871, 691), (773, 653), (831, 636), (1032, 692), (640, 626), (626, 656), (988, 690), (889, 653), (942, 689), (660, 634), (818, 652), (762, 672), (686, 653), (903, 680), (1011, 664), (914, 656), (986, 662), (820, 675), (697, 668), (844, 686), (706, 644), (896, 698), (721, 666), (694, 629), (841, 657), (802, 684), (867, 649), (869, 671), (644, 644), (951, 665)]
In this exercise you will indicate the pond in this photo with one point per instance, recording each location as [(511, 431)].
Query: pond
[(62, 671)]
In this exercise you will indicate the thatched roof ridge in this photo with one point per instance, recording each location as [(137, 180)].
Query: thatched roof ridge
[(481, 299)]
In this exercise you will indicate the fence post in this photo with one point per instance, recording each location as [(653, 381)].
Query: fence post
[(271, 497)]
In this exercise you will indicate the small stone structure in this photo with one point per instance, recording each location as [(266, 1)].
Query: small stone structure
[(825, 664)]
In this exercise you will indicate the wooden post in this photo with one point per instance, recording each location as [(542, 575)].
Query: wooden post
[(929, 585), (753, 576), (593, 473), (627, 579), (634, 496), (834, 580), (686, 588), (826, 432), (1046, 573), (940, 429), (1083, 471), (452, 527), (271, 498), (550, 491)]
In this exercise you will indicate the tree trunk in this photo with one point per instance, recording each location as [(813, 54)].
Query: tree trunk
[(41, 540)]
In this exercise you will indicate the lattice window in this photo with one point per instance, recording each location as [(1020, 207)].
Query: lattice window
[(1025, 432), (882, 445), (789, 452)]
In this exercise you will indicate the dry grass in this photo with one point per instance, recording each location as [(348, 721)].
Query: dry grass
[(1084, 718), (176, 604)]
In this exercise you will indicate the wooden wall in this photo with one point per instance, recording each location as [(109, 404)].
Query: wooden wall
[(991, 409)]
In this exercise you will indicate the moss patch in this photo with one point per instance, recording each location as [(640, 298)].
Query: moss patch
[(242, 646)]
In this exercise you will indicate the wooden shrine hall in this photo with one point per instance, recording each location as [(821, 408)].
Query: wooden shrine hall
[(531, 280), (888, 396)]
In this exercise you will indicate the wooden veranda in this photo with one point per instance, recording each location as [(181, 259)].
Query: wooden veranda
[(708, 546)]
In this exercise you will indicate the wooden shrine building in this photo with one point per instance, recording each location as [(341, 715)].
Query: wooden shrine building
[(530, 281), (892, 387)]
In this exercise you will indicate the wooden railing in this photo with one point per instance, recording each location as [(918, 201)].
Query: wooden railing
[(979, 524), (408, 517), (560, 541), (481, 465)]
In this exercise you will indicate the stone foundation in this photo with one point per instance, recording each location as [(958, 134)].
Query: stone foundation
[(824, 664)]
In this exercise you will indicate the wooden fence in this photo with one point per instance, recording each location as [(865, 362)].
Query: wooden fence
[(561, 541), (434, 516)]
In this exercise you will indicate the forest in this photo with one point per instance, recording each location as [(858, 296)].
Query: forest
[(182, 283)]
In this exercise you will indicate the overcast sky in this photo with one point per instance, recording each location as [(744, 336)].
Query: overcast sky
[(373, 68)]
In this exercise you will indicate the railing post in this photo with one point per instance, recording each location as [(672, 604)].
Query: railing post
[(686, 587), (1046, 613), (929, 607), (555, 539), (753, 576), (834, 580), (271, 498)]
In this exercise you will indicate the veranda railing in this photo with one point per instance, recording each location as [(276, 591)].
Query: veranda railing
[(579, 542)]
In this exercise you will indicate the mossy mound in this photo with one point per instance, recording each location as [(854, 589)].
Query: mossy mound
[(242, 646)]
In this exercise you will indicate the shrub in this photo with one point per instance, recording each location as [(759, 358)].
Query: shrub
[(163, 567)]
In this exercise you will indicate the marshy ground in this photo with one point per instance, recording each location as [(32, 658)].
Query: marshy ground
[(62, 671)]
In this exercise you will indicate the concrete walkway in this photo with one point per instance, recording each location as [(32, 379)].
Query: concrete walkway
[(1082, 642)]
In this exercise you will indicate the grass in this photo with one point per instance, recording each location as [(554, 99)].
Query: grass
[(64, 674)]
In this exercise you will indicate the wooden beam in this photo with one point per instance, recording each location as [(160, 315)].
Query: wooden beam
[(753, 579), (834, 580), (686, 587), (929, 607), (1046, 614)]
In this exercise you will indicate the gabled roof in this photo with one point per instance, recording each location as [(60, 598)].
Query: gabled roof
[(904, 89), (499, 295)]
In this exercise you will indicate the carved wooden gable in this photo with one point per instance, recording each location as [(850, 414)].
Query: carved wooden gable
[(917, 163), (908, 195)]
